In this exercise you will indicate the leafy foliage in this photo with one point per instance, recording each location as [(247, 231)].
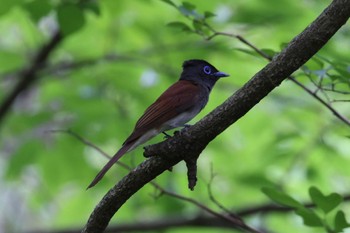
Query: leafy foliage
[(310, 216), (325, 203), (70, 18), (115, 58)]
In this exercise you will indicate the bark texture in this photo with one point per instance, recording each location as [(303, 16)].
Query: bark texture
[(191, 142)]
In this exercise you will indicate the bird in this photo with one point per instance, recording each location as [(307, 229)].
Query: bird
[(181, 102)]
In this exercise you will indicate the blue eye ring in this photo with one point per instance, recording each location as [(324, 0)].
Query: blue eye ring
[(207, 69)]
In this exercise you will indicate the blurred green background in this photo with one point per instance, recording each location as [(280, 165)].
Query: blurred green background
[(115, 58)]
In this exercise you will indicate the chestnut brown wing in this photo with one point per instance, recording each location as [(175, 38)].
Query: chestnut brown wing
[(179, 97)]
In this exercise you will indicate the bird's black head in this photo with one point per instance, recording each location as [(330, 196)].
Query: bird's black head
[(201, 72)]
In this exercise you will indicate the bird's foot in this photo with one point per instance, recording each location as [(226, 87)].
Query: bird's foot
[(185, 127), (145, 154), (166, 136)]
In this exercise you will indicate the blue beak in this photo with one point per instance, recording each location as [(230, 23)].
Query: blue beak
[(220, 74)]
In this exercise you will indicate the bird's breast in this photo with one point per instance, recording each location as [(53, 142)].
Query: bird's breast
[(181, 119)]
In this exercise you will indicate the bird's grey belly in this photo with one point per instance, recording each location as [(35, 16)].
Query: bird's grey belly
[(180, 120)]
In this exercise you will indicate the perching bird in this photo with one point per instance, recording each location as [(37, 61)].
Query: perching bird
[(176, 106)]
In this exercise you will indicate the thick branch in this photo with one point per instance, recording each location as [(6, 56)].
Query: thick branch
[(191, 142), (29, 75), (198, 221), (228, 218)]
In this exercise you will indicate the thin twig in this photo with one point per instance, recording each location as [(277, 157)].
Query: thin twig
[(336, 101), (336, 91), (90, 144), (269, 58), (233, 219), (317, 85), (29, 75), (170, 152), (211, 196), (238, 222), (240, 38), (335, 112)]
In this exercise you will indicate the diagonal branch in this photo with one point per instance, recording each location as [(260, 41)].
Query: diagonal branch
[(231, 220), (191, 142), (30, 74), (291, 78), (337, 114), (198, 221)]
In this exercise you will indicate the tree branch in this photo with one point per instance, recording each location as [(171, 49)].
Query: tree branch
[(198, 221), (264, 55), (160, 225), (191, 142), (232, 220), (30, 74), (337, 114)]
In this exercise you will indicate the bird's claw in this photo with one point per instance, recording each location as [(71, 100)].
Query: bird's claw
[(166, 136), (186, 126)]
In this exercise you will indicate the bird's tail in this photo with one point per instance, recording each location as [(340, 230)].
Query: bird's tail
[(110, 163)]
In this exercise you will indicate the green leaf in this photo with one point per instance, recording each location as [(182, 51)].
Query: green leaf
[(169, 2), (254, 179), (340, 222), (335, 77), (92, 6), (269, 52), (197, 25), (344, 74), (6, 5), (310, 218), (10, 61), (188, 9), (37, 9), (283, 45), (314, 64), (247, 51), (180, 25), (325, 203), (208, 14), (70, 18), (281, 197), (188, 6)]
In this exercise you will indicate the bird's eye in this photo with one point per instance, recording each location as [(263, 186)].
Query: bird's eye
[(207, 69)]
